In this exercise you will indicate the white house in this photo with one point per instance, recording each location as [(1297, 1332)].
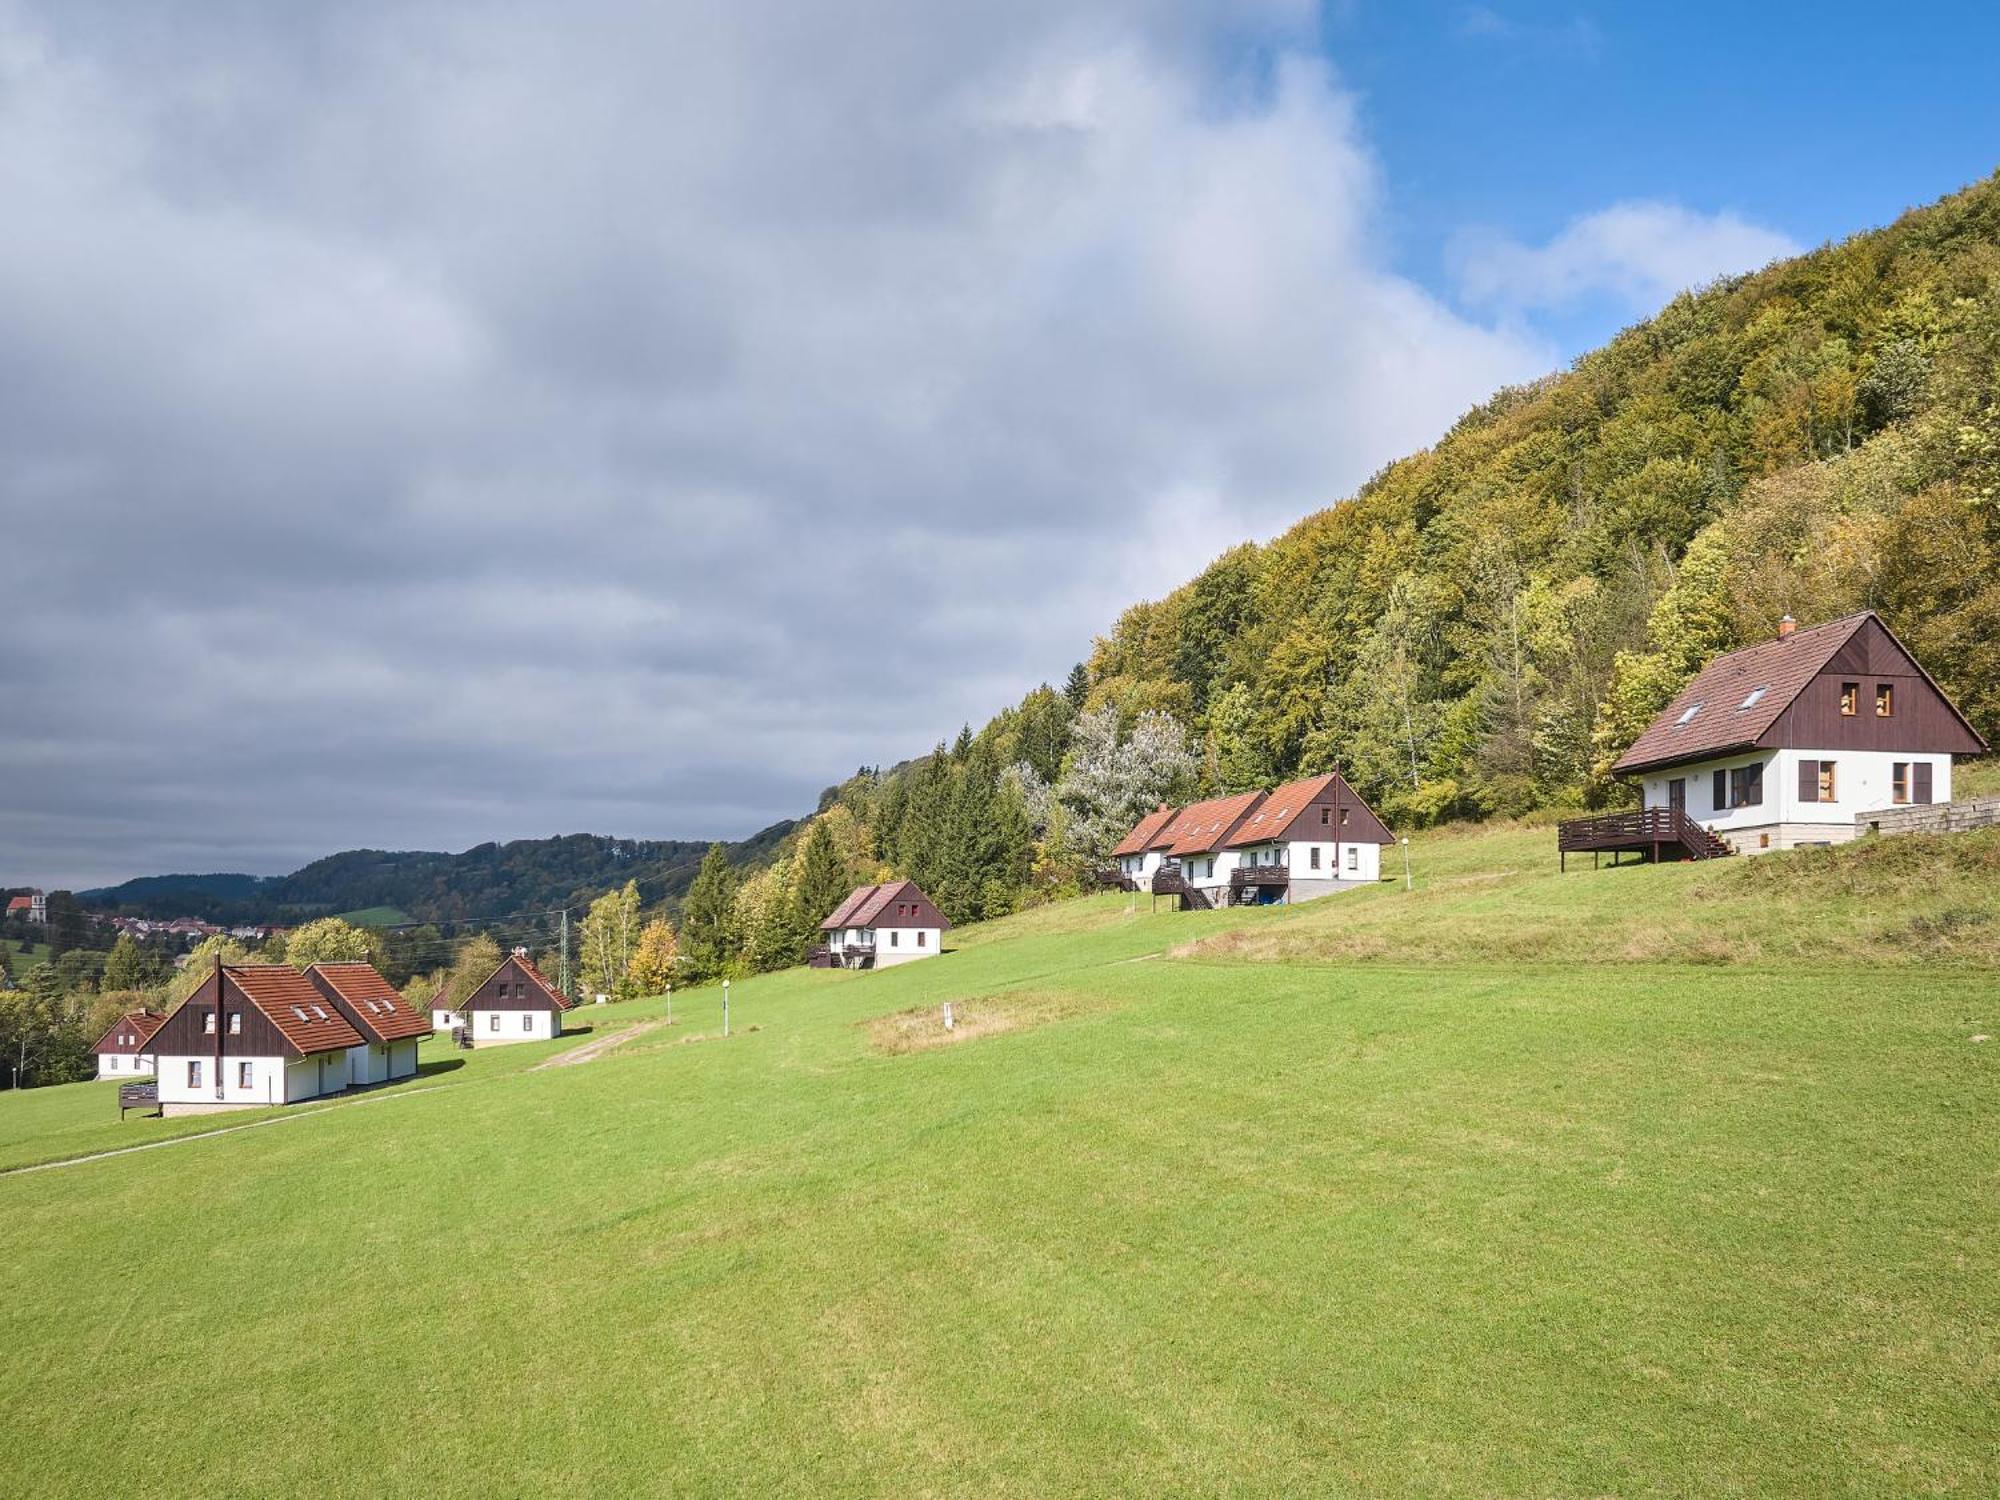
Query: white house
[(1307, 838), (389, 1029), (515, 1004), (1304, 839), (124, 1051), (881, 925), (1787, 742), (1137, 858), (250, 1035)]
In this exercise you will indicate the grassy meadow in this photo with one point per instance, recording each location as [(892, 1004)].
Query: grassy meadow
[(1162, 1215)]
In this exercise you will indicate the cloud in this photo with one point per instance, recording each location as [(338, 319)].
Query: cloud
[(421, 425), (1641, 254)]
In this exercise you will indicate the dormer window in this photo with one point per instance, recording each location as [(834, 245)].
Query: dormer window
[(1687, 715), (1756, 697)]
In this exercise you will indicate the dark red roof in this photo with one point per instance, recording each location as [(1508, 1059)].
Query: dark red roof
[(20, 903), (867, 905), (1277, 816), (1204, 826), (137, 1024), (1715, 715), (369, 1001), (1140, 839), (289, 1001)]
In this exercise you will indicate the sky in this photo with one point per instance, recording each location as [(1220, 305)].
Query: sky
[(429, 423)]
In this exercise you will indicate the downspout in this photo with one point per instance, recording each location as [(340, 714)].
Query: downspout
[(220, 985)]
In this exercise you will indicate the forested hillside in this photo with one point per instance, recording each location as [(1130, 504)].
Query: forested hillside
[(1487, 624), (488, 880)]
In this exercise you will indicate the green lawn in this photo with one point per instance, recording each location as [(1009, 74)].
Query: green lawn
[(1148, 1225), (374, 916), (22, 957)]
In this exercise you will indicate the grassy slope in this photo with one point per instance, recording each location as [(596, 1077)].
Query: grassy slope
[(375, 916), (1210, 1226)]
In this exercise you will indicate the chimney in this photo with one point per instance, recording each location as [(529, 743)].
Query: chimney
[(520, 953), (1786, 626)]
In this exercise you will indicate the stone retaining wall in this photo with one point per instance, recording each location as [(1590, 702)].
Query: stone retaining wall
[(1935, 817)]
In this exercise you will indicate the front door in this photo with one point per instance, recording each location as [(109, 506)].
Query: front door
[(1677, 794)]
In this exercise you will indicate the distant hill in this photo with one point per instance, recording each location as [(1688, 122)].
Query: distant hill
[(487, 880)]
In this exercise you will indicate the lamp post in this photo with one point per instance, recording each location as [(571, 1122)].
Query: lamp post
[(725, 1007), (1406, 863), (670, 1002)]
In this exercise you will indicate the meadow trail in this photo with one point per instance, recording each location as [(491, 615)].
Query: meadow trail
[(591, 1051)]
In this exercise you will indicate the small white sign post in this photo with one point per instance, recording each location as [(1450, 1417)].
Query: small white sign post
[(725, 1007), (948, 1022), (1406, 863)]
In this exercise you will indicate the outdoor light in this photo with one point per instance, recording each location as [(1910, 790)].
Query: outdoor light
[(725, 1007)]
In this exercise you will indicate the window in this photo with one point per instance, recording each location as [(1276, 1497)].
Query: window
[(1920, 783), (1885, 700), (1353, 857), (236, 1023), (894, 934), (1718, 793), (1746, 786), (194, 1072), (1343, 817), (1827, 790), (1899, 782), (1326, 816), (1816, 781), (1315, 856), (1850, 698), (527, 1020), (1756, 697), (208, 1023), (493, 1021), (1687, 714), (246, 1075), (920, 937)]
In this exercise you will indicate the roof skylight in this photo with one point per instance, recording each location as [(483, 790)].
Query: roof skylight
[(1756, 694), (1687, 714)]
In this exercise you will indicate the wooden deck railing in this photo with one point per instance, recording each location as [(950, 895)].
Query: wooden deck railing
[(1639, 828), (1247, 875)]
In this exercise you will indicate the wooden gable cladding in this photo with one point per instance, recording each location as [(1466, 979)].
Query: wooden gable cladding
[(185, 1033), (139, 1025), (1312, 810), (516, 985), (893, 903), (1922, 720)]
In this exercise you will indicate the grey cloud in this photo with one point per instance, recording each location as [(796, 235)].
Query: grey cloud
[(423, 424)]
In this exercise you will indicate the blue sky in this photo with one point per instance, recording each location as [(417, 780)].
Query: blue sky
[(1814, 120)]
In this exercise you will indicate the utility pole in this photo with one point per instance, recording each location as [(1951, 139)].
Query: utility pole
[(562, 980)]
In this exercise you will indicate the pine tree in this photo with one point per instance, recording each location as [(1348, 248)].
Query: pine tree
[(708, 920), (820, 883), (1077, 688)]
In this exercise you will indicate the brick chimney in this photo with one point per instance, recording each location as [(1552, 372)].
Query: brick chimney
[(1786, 626)]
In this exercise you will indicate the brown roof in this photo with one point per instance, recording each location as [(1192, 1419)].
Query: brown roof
[(1141, 837), (138, 1024), (866, 904), (371, 1003), (1714, 715), (1275, 813), (1204, 826), (289, 1001)]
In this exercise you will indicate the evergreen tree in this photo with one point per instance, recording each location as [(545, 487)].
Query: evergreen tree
[(1077, 687), (708, 919), (820, 882)]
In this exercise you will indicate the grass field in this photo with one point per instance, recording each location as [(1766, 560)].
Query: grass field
[(1481, 1224), (375, 916), (22, 957)]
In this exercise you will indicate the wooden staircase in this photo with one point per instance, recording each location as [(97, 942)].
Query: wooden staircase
[(1656, 832), (1168, 881)]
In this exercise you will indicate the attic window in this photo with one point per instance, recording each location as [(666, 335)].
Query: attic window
[(320, 1011), (299, 1013), (236, 1023), (1687, 714), (1756, 697), (208, 1023)]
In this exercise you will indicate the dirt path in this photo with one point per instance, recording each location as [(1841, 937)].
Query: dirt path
[(209, 1135), (591, 1051)]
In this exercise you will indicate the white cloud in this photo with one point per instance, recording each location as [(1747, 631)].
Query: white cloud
[(424, 425), (1640, 253)]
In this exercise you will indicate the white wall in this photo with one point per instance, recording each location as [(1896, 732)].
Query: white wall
[(1140, 867), (1863, 783), (446, 1020), (898, 945), (124, 1065), (270, 1082), (515, 1026)]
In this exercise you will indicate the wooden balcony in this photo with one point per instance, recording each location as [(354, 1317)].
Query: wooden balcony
[(1168, 880), (1656, 832), (1255, 875)]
